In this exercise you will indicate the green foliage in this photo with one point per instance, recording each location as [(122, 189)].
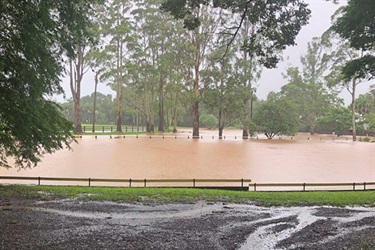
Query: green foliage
[(337, 119), (365, 104), (358, 26), (275, 117), (274, 29), (105, 109), (307, 88), (370, 120), (365, 139), (33, 37), (209, 121)]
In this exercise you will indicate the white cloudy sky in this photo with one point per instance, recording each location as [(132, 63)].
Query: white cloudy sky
[(271, 79)]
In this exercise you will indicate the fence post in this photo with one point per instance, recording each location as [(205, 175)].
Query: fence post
[(255, 187), (304, 186), (84, 128), (353, 186), (111, 129), (89, 182), (103, 129), (242, 183), (364, 186), (193, 182), (130, 182), (39, 181), (145, 183)]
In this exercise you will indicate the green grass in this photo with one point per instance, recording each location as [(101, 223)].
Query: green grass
[(184, 195)]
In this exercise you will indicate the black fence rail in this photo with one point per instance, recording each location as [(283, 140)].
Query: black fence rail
[(304, 186), (242, 183)]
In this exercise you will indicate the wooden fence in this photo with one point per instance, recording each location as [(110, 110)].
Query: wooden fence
[(304, 186), (242, 183)]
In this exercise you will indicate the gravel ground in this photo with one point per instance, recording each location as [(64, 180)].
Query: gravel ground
[(75, 224)]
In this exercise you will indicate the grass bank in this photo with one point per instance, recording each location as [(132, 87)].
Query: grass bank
[(171, 195)]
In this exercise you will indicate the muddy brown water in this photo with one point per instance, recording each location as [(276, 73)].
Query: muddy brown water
[(282, 161)]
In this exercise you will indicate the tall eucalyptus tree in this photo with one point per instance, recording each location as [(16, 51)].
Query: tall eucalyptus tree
[(278, 23), (115, 29), (221, 91), (247, 72), (78, 67), (345, 57), (158, 56)]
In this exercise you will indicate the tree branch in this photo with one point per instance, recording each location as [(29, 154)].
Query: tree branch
[(238, 28)]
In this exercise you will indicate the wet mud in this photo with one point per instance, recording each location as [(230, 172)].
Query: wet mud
[(77, 224)]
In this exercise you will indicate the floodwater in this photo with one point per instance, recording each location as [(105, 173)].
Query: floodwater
[(263, 161)]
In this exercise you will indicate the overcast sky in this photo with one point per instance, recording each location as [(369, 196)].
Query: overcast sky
[(271, 79)]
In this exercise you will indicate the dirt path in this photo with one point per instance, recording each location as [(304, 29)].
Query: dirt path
[(74, 224)]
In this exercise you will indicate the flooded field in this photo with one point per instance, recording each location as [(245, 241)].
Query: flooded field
[(301, 159)]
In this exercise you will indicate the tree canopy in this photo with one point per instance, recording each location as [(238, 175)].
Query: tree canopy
[(275, 23), (357, 24), (277, 116), (34, 36)]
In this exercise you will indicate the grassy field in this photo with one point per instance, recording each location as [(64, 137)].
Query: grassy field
[(184, 195)]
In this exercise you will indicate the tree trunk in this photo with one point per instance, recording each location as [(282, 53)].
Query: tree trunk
[(161, 104), (353, 110), (195, 113), (150, 127), (119, 86), (75, 87), (94, 108), (174, 120), (313, 125), (221, 124), (77, 115), (245, 132), (195, 106)]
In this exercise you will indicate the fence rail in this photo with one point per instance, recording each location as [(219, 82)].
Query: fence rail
[(242, 182), (353, 185), (112, 128)]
